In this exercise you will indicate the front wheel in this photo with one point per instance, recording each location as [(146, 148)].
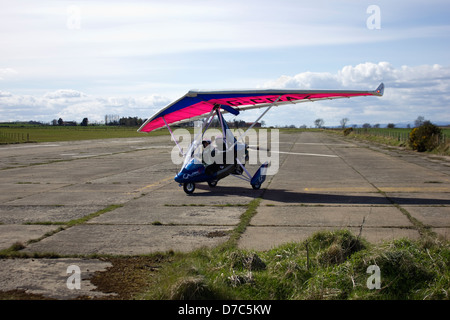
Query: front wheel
[(189, 187)]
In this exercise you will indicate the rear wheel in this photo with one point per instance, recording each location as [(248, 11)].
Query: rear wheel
[(189, 187), (256, 186), (212, 183)]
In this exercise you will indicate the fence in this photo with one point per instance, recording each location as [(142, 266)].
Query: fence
[(14, 137), (401, 135)]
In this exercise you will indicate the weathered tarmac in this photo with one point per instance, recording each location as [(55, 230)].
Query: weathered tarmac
[(364, 188)]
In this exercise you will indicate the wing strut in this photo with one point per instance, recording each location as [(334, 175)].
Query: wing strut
[(173, 137), (245, 133), (206, 124)]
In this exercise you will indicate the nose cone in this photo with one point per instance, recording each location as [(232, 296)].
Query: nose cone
[(179, 178), (191, 173)]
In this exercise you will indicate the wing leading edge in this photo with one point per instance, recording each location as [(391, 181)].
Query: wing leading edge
[(196, 104)]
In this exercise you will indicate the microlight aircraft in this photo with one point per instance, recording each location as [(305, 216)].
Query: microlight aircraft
[(197, 104)]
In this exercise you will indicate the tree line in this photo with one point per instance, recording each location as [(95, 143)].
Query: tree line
[(319, 123), (110, 120)]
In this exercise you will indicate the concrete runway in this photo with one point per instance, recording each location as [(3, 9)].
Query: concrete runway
[(356, 184)]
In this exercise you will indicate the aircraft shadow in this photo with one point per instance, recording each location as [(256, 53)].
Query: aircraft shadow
[(293, 197)]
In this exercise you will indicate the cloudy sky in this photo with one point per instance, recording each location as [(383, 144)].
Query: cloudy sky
[(76, 59)]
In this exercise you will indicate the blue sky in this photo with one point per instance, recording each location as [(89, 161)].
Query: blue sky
[(76, 59)]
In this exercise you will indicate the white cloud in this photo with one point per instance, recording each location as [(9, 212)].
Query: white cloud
[(5, 94), (74, 105), (64, 94), (7, 73), (410, 91)]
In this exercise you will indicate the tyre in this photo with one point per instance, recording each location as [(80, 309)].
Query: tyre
[(212, 183), (256, 186), (189, 187)]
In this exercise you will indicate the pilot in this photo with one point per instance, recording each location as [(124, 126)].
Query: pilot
[(208, 157), (208, 152)]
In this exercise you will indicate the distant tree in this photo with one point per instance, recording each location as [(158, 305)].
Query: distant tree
[(391, 125), (60, 122), (130, 122), (376, 125), (366, 125), (84, 122), (112, 119), (238, 123), (344, 122), (319, 123), (419, 121)]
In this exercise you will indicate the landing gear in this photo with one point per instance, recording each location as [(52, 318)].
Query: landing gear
[(256, 186), (212, 183), (189, 187)]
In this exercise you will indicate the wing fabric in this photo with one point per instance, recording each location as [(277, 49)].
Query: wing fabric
[(196, 104)]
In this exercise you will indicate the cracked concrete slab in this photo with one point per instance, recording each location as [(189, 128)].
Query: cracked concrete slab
[(129, 239), (52, 278)]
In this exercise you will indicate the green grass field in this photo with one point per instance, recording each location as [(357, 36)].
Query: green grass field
[(29, 133)]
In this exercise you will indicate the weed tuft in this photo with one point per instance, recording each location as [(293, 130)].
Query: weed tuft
[(191, 288), (242, 261), (334, 247)]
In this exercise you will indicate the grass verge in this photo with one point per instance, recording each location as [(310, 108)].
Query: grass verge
[(393, 138), (328, 265)]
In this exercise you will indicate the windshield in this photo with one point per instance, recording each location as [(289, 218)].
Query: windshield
[(194, 152)]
